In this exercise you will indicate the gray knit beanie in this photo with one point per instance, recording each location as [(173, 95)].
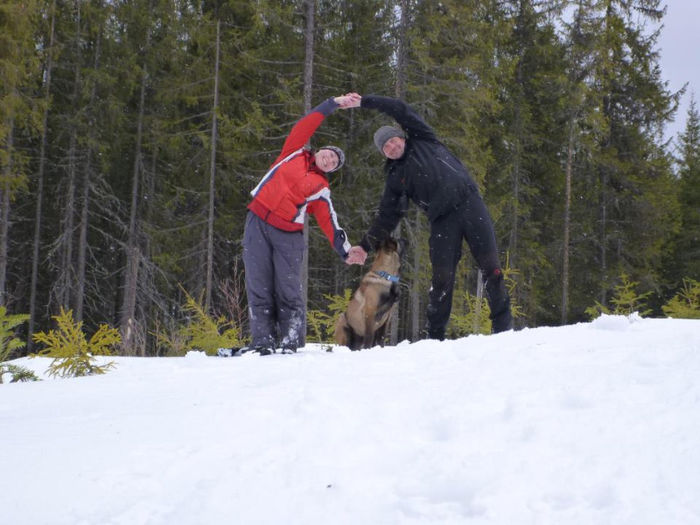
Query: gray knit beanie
[(341, 156), (385, 133)]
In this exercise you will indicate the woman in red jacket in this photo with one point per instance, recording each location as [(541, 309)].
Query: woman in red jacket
[(273, 242)]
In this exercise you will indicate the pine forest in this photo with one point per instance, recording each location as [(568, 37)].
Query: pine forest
[(132, 132)]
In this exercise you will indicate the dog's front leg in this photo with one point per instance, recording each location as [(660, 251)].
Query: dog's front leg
[(370, 325), (379, 334)]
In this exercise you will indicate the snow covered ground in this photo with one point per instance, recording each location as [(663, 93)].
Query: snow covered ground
[(596, 423)]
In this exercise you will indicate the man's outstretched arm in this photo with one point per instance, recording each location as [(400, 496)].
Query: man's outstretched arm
[(405, 115)]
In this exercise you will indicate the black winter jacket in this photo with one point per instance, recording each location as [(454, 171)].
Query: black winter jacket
[(428, 173)]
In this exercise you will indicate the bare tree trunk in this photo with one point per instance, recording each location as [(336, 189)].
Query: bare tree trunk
[(513, 244), (149, 309), (128, 321), (40, 183), (85, 200), (5, 216), (603, 237), (476, 323), (212, 176), (402, 52), (310, 8), (415, 288), (567, 227), (67, 274), (605, 176), (400, 92), (82, 240), (604, 181), (67, 271), (518, 140)]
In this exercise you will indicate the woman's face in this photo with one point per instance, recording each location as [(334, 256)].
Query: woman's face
[(394, 147), (326, 160)]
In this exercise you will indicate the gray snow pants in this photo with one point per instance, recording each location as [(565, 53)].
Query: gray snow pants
[(272, 259)]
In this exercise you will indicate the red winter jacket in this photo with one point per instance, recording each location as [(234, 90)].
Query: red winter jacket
[(294, 185)]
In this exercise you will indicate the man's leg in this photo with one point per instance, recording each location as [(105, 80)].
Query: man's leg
[(499, 303), (259, 282), (445, 252), (288, 254), (478, 231)]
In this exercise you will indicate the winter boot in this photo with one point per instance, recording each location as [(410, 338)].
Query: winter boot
[(263, 350), (499, 302), (431, 332)]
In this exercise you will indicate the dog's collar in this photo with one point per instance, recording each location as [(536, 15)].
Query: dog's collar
[(387, 276)]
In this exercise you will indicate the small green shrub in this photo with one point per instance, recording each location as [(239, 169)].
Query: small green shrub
[(321, 325), (8, 344), (73, 355), (471, 316), (169, 340), (202, 332), (595, 311), (17, 373), (625, 301), (686, 303), (509, 277)]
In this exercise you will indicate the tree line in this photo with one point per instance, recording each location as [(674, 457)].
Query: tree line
[(131, 132)]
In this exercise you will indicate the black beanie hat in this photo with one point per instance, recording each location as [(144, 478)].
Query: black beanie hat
[(385, 133)]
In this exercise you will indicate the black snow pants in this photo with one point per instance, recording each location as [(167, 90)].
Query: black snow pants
[(273, 259), (472, 222)]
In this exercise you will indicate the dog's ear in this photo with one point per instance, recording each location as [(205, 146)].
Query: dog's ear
[(390, 244)]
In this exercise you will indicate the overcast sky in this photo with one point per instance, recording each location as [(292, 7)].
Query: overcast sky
[(679, 44)]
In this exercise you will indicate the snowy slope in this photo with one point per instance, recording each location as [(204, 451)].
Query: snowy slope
[(595, 423)]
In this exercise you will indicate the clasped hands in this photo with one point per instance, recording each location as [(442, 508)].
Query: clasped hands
[(349, 100), (356, 255)]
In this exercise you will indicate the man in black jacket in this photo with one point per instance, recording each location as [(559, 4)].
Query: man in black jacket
[(420, 167)]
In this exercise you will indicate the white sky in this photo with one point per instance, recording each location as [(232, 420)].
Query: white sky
[(679, 45)]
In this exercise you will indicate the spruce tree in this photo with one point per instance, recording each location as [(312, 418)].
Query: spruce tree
[(634, 195), (19, 113), (525, 183), (684, 261), (581, 125)]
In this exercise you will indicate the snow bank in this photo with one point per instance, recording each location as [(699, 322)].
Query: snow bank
[(588, 424)]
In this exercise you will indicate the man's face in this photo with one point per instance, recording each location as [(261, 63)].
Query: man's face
[(394, 147), (326, 160)]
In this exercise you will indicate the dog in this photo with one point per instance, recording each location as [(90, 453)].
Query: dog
[(364, 323)]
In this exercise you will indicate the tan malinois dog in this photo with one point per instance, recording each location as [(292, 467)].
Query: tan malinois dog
[(364, 322)]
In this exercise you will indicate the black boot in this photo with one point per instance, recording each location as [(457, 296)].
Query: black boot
[(434, 333), (431, 331), (499, 302)]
